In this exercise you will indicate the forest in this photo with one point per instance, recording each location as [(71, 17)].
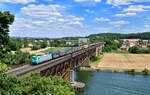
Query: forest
[(117, 36)]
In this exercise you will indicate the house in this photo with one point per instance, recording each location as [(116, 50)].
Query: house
[(132, 43), (124, 48), (116, 41), (83, 40), (68, 43), (144, 47)]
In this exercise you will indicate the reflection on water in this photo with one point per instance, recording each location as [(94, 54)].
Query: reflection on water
[(102, 83)]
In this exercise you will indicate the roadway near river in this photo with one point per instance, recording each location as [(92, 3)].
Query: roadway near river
[(113, 61)]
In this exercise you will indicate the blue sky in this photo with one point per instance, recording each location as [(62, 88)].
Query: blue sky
[(71, 18)]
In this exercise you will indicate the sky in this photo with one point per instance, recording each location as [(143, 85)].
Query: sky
[(72, 18)]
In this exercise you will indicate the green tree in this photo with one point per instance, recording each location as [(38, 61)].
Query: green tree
[(134, 49), (17, 58), (120, 43), (6, 19), (35, 47), (148, 47), (13, 45), (110, 45), (43, 44), (34, 84)]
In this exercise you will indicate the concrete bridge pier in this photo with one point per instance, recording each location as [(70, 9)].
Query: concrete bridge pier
[(78, 86), (71, 75), (0, 91), (97, 49)]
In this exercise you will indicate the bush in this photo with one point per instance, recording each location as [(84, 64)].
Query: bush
[(14, 45), (145, 71), (132, 71), (110, 45), (94, 58), (17, 58), (35, 47), (134, 49), (43, 44), (34, 84)]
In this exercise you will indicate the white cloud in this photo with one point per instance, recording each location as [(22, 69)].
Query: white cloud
[(75, 23), (148, 18), (125, 15), (88, 1), (118, 2), (136, 8), (18, 1), (124, 2), (97, 0), (43, 11), (146, 26), (46, 20), (104, 29), (141, 0), (101, 19), (118, 23), (90, 11), (49, 0)]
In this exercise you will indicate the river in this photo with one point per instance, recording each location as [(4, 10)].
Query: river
[(103, 83)]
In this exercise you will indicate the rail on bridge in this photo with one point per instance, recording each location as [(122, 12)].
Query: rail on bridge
[(63, 65)]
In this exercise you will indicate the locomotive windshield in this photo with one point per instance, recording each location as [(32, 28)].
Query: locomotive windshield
[(34, 58)]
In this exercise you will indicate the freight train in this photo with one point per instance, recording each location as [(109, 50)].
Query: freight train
[(46, 57)]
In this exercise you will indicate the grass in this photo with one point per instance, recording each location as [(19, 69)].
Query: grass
[(94, 63), (54, 49), (121, 52)]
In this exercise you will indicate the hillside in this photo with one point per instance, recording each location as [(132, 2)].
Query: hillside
[(114, 36)]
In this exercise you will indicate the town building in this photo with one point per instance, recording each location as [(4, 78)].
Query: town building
[(69, 43), (82, 40)]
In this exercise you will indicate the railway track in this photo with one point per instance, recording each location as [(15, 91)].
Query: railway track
[(29, 68)]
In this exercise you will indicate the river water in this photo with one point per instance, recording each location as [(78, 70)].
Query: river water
[(103, 83)]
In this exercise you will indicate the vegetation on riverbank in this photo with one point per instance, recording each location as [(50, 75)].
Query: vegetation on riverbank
[(95, 61), (135, 71)]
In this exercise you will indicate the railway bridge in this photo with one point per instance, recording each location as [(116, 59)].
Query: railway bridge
[(62, 66)]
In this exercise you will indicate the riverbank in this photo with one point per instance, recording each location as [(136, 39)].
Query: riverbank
[(122, 63)]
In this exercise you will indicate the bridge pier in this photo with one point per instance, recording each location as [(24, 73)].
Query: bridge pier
[(71, 75), (0, 91)]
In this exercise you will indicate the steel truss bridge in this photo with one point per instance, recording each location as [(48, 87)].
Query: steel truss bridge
[(63, 65)]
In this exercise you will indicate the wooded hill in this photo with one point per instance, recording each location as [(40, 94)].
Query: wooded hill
[(115, 36)]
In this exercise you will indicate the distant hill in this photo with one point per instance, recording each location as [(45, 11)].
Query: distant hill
[(104, 36), (115, 36)]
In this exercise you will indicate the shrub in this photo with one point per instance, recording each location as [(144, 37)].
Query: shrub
[(145, 71), (134, 49), (43, 44), (132, 71), (35, 47), (36, 85), (16, 58), (94, 58), (14, 45)]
